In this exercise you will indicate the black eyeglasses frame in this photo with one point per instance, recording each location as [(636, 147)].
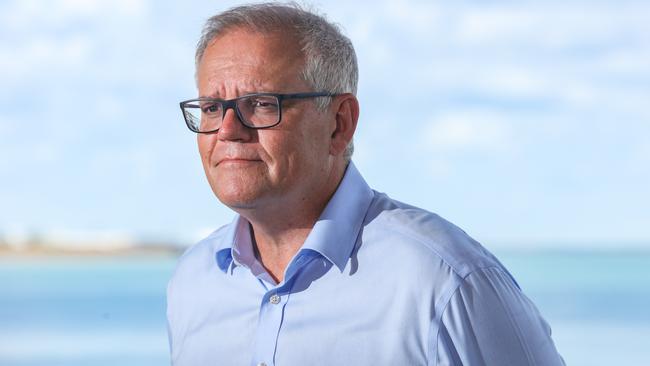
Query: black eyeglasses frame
[(232, 104)]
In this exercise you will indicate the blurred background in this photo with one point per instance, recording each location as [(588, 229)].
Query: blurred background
[(526, 123)]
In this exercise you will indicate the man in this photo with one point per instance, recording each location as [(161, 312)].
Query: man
[(317, 268)]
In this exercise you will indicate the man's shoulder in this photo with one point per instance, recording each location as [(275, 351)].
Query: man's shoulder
[(419, 235)]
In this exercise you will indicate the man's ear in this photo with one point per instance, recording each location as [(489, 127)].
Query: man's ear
[(347, 115)]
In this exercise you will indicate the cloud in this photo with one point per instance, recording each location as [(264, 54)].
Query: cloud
[(550, 25), (459, 87), (31, 15), (416, 17), (96, 43), (456, 131), (557, 55), (42, 57)]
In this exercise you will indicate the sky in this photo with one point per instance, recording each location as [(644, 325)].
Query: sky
[(525, 123)]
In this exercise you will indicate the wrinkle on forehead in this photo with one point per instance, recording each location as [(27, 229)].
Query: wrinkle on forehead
[(241, 62), (219, 89)]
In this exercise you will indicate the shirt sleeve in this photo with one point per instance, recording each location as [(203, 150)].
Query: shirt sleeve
[(489, 321)]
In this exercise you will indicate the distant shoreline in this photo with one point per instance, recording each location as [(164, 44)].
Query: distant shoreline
[(40, 249), (52, 251)]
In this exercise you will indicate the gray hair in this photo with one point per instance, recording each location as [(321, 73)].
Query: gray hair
[(330, 63)]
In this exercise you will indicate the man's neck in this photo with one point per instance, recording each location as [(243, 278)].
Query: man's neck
[(279, 232), (275, 252)]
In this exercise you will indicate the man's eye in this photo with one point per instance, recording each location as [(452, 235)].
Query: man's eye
[(210, 108), (264, 103)]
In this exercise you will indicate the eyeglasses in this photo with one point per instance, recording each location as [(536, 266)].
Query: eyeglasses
[(256, 111)]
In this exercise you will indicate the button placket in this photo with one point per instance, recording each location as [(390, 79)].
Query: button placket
[(270, 322)]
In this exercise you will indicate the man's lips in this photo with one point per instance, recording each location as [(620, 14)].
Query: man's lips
[(237, 160)]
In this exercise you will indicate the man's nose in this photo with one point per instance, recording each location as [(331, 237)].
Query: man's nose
[(232, 128)]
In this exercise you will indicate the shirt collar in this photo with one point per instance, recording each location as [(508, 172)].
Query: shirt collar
[(336, 231), (224, 246), (333, 235)]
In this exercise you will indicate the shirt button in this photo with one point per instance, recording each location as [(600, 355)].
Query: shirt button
[(274, 299)]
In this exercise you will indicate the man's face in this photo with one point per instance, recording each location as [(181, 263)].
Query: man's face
[(256, 169)]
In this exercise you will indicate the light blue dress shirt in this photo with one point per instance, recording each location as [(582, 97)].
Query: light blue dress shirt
[(377, 282)]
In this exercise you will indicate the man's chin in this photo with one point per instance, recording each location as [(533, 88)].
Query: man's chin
[(238, 200), (238, 206)]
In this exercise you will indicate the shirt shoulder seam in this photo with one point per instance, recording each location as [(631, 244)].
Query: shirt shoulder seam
[(428, 246), (453, 293)]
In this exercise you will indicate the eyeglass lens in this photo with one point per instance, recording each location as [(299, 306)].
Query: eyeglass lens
[(255, 111)]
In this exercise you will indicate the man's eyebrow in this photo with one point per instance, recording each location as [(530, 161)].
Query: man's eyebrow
[(241, 94)]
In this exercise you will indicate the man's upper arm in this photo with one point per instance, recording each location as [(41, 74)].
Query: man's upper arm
[(489, 321)]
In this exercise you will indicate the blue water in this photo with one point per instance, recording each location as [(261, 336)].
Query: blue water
[(111, 310), (83, 311), (596, 302)]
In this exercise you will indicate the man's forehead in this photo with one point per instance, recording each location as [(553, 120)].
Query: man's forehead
[(249, 62), (224, 89), (283, 42), (248, 49)]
